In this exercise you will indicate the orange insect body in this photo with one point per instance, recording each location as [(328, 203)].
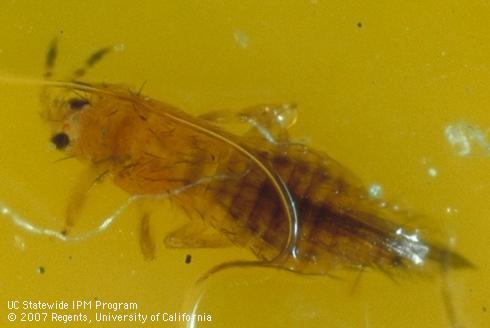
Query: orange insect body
[(293, 207)]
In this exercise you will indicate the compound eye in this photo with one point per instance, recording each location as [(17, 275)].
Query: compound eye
[(60, 140), (77, 103)]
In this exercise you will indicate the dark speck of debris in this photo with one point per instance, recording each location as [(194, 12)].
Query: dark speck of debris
[(70, 257), (359, 24), (41, 270), (188, 259), (484, 308)]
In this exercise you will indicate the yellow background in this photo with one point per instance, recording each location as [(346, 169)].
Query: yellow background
[(376, 83)]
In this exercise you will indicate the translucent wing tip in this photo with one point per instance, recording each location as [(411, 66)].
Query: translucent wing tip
[(449, 259)]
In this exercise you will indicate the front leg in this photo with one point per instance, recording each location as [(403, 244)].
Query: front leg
[(79, 194)]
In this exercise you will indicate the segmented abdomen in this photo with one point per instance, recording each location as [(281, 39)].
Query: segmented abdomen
[(327, 197)]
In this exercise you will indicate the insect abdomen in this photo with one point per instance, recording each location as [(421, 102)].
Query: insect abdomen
[(330, 231), (253, 214)]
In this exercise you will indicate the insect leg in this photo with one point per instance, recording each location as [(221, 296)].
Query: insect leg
[(78, 196), (269, 122), (147, 245), (196, 234), (255, 264)]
